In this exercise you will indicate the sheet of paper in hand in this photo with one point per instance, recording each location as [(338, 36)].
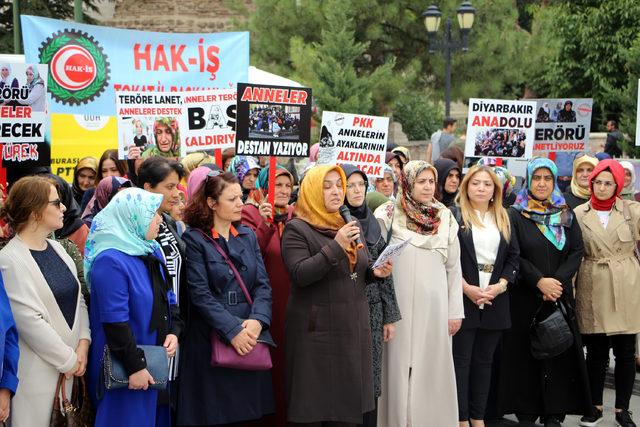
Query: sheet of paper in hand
[(389, 252)]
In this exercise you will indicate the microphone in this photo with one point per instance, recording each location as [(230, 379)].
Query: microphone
[(345, 213)]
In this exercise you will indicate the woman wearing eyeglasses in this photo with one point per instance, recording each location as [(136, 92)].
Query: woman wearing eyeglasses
[(44, 293), (608, 287)]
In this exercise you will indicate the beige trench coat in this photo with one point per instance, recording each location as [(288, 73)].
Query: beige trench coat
[(608, 282)]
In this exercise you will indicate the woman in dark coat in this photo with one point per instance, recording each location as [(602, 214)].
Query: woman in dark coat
[(551, 250), (213, 396), (256, 214), (383, 306), (329, 375), (489, 259)]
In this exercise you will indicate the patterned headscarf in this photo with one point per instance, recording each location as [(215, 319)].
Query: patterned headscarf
[(123, 225), (422, 218), (551, 215), (240, 165)]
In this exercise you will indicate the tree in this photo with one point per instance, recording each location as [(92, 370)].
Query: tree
[(330, 67), (580, 48), (394, 30), (58, 9)]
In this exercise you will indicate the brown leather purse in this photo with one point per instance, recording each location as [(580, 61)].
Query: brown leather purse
[(77, 412)]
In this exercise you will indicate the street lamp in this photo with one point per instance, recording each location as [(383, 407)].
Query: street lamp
[(447, 44)]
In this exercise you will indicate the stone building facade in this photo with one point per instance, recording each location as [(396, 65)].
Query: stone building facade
[(175, 16)]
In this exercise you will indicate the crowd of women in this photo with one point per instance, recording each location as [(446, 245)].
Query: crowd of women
[(278, 314)]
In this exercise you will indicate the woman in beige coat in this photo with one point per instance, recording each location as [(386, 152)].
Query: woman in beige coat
[(44, 294), (608, 287), (418, 377)]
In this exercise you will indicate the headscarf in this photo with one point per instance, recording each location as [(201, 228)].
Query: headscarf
[(375, 199), (174, 149), (36, 76), (311, 209), (444, 166), (370, 227), (506, 179), (551, 215), (85, 163), (8, 79), (72, 221), (123, 225), (106, 189), (629, 191), (617, 170), (196, 178), (402, 150), (578, 191), (241, 165), (193, 160), (602, 156), (428, 225)]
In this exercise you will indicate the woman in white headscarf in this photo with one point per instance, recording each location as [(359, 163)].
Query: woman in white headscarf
[(5, 77), (629, 189), (36, 89)]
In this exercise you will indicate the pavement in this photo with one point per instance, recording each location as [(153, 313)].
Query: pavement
[(609, 402)]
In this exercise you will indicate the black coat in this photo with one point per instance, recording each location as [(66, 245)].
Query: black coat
[(495, 316), (572, 200), (553, 386)]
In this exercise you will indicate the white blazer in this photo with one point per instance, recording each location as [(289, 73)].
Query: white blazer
[(47, 344)]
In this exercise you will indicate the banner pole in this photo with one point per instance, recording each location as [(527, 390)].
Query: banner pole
[(77, 11), (499, 161), (218, 154), (17, 31), (272, 184)]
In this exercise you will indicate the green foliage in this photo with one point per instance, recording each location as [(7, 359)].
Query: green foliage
[(392, 34), (330, 67), (418, 114), (580, 48), (58, 9)]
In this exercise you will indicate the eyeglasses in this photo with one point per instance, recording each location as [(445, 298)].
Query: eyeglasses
[(606, 184), (57, 203)]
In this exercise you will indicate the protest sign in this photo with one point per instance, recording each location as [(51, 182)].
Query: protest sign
[(273, 120), (562, 124), (148, 124), (88, 64), (354, 139), (24, 126), (499, 128), (208, 121), (74, 136), (390, 252)]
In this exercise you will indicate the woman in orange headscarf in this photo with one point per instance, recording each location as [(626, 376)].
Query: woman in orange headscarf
[(329, 377)]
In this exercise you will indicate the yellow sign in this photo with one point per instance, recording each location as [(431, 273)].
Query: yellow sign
[(74, 136)]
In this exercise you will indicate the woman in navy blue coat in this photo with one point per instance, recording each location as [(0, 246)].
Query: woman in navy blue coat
[(9, 353), (217, 396)]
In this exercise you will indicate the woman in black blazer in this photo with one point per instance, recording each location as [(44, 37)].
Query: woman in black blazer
[(489, 258)]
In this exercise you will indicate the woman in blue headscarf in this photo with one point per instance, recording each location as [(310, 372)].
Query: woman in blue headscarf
[(131, 303), (551, 250)]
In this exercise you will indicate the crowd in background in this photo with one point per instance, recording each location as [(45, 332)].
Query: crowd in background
[(277, 314)]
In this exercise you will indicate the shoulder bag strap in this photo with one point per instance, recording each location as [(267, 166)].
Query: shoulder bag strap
[(231, 266), (627, 218)]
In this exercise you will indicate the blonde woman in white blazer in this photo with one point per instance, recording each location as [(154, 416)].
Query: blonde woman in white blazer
[(44, 293)]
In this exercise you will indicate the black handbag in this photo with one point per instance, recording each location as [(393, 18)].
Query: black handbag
[(551, 336)]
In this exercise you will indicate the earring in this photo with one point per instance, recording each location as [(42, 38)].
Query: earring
[(492, 199)]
